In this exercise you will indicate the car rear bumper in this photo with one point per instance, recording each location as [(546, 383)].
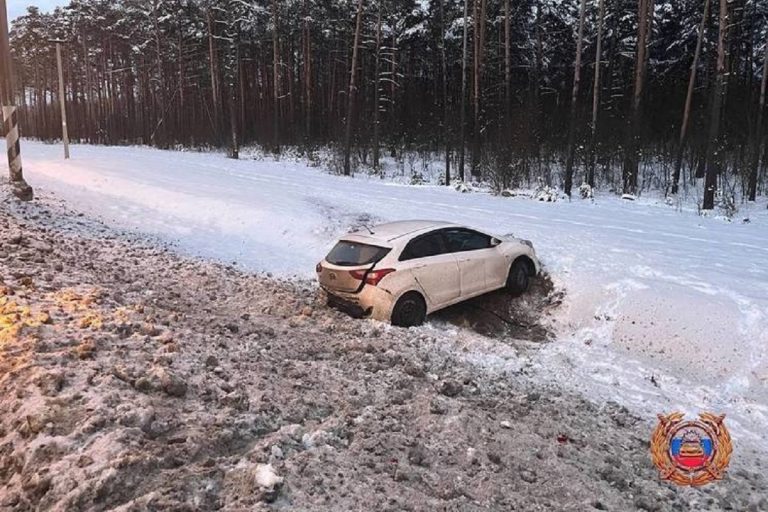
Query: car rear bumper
[(370, 302), (350, 308)]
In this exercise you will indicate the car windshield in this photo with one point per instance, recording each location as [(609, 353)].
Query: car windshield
[(351, 254)]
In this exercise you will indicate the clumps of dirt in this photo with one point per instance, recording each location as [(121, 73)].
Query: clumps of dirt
[(500, 315), (157, 382)]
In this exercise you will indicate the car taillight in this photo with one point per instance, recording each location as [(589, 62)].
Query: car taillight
[(373, 277), (319, 268)]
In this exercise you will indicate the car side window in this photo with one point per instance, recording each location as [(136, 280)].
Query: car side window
[(424, 246), (461, 240)]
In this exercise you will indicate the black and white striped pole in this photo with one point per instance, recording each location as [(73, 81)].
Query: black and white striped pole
[(19, 187)]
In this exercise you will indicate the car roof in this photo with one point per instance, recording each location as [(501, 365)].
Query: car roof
[(393, 230)]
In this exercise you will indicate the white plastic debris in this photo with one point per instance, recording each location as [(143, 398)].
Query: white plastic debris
[(266, 477)]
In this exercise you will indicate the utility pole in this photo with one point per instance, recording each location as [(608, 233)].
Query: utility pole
[(19, 187), (62, 96)]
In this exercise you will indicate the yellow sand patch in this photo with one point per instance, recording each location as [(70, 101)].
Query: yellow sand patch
[(14, 316)]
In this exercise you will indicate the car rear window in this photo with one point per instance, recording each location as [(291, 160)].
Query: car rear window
[(352, 254)]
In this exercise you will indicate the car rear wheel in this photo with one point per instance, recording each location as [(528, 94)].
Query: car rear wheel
[(409, 311), (518, 278)]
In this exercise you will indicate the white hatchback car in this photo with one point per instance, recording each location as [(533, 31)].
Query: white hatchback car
[(402, 271)]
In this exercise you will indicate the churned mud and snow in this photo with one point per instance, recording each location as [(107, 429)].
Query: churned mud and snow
[(142, 377)]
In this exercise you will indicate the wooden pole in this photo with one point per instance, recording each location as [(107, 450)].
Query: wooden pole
[(19, 187), (62, 101)]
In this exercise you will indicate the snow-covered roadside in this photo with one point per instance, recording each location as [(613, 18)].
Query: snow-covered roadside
[(135, 379), (651, 292)]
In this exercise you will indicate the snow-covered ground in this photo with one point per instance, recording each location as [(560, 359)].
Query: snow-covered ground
[(664, 309)]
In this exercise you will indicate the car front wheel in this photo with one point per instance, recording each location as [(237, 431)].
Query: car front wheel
[(409, 311), (518, 278)]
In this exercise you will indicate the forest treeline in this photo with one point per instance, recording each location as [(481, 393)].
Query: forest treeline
[(628, 95)]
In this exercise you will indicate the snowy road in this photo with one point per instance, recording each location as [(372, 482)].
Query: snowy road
[(651, 291)]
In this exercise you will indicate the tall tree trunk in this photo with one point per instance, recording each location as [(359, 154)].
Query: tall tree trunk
[(88, 90), (213, 67), (179, 129), (596, 94), (376, 92), (307, 76), (507, 65), (444, 66), (393, 82), (275, 81), (755, 161), (290, 96), (36, 101), (242, 92), (480, 22), (159, 137), (110, 98), (463, 102), (630, 166), (713, 160), (538, 115), (233, 97), (351, 92), (130, 101), (574, 98), (688, 100)]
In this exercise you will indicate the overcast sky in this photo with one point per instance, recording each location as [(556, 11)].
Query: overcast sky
[(19, 7)]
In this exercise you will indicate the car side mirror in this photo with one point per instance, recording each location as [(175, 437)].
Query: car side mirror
[(495, 242)]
